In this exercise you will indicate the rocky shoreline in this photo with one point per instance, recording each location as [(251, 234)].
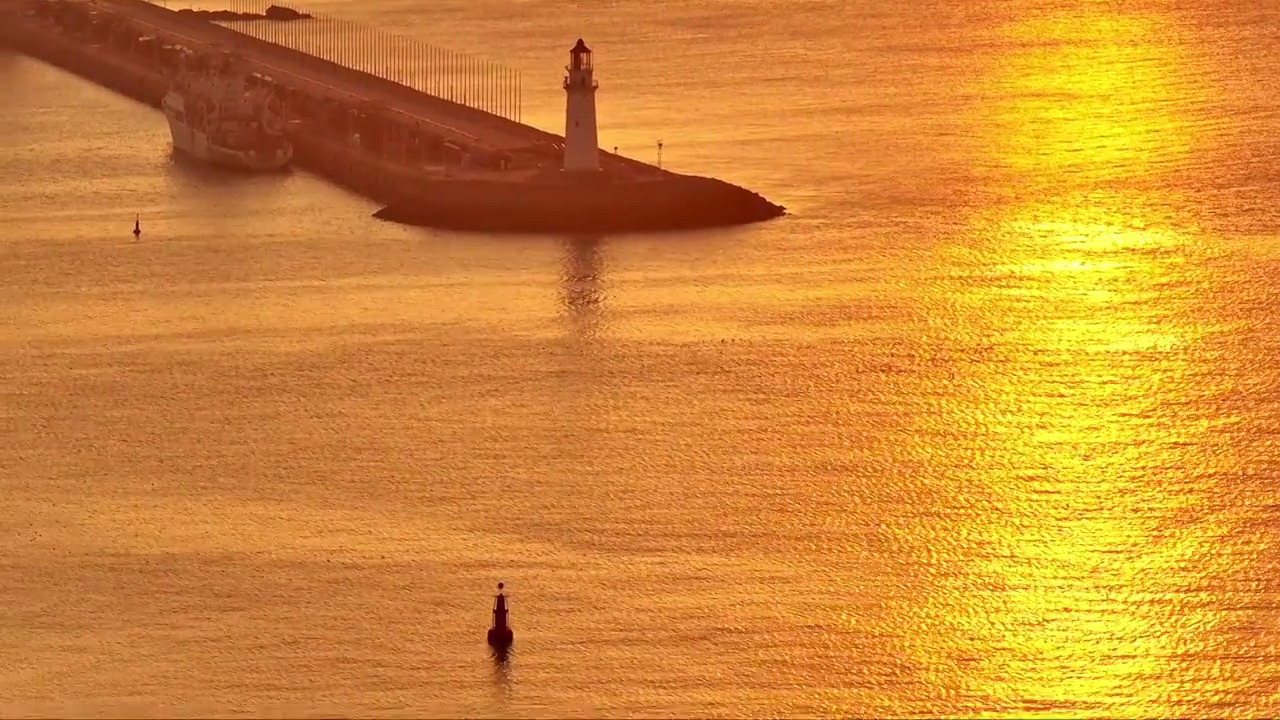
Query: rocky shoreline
[(577, 205)]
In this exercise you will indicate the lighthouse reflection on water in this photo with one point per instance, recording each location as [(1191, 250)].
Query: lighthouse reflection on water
[(581, 293)]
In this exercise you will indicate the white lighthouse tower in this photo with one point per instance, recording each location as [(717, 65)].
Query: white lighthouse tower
[(581, 150)]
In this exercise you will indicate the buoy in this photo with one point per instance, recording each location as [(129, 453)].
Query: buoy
[(500, 635), (137, 225)]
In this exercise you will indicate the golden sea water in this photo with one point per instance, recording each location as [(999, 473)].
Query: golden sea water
[(986, 426)]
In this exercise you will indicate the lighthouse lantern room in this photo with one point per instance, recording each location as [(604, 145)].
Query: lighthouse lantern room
[(581, 145)]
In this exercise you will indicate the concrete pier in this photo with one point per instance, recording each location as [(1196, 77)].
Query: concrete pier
[(379, 138)]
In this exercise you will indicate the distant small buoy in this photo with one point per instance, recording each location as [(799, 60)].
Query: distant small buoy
[(500, 635), (137, 226)]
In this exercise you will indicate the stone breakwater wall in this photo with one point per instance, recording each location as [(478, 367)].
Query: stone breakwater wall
[(426, 172)]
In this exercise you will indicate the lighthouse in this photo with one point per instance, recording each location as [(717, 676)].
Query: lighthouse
[(581, 146)]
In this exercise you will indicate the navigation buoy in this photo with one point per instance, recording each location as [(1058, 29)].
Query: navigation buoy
[(500, 635), (137, 225)]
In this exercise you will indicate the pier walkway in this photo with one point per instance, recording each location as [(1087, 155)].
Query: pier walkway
[(299, 69)]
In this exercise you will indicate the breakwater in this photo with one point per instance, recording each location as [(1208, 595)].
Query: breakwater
[(433, 161)]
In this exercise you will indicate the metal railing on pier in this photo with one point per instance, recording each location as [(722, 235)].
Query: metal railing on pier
[(459, 77)]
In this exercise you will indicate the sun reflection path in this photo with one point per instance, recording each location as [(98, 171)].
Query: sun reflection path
[(1091, 439), (1078, 547), (1087, 97)]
